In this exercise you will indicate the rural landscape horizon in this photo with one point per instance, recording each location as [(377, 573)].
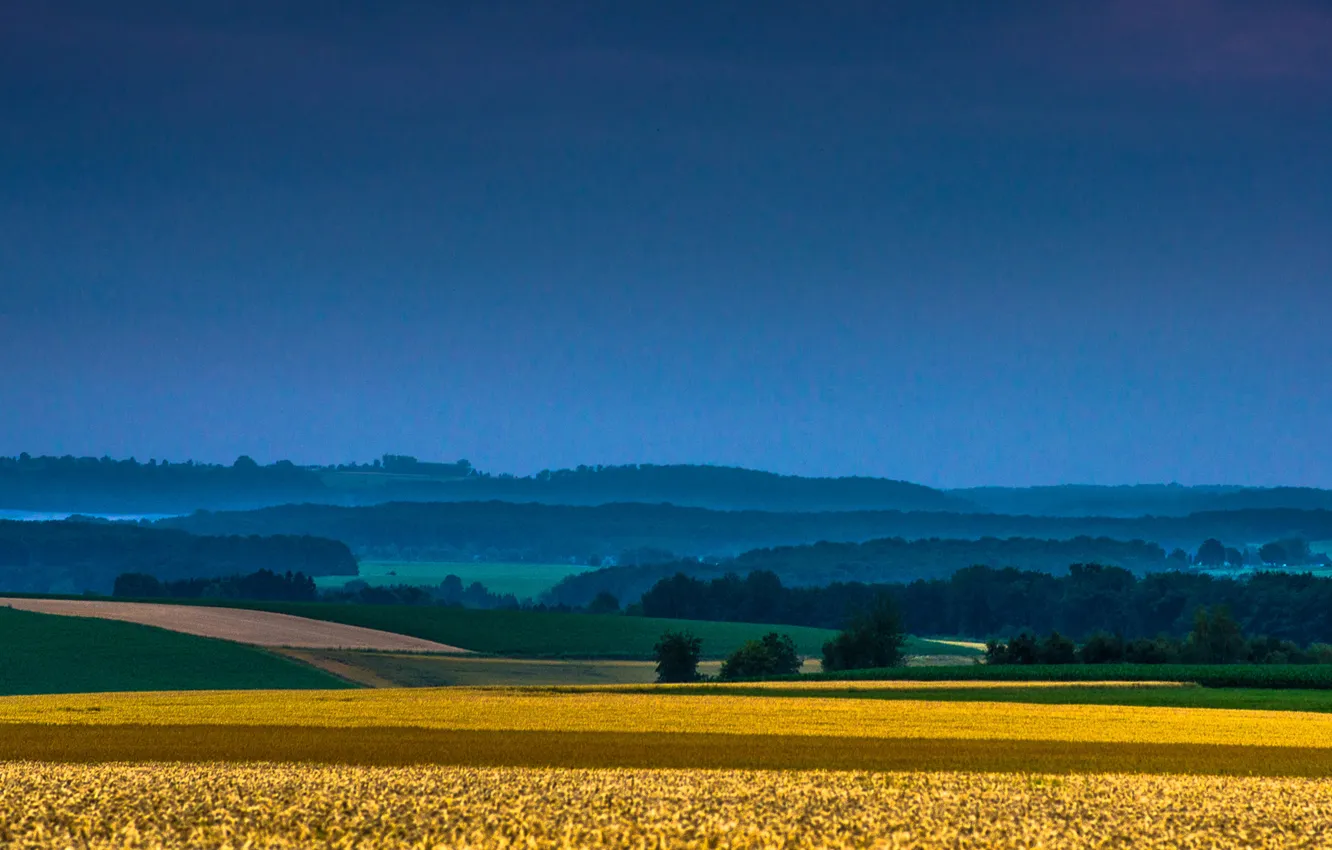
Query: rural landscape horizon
[(890, 424)]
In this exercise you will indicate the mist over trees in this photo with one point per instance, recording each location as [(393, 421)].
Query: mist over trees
[(74, 556), (508, 531)]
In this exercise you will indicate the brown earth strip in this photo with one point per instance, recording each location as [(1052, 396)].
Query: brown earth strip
[(260, 628), (405, 746), (330, 662)]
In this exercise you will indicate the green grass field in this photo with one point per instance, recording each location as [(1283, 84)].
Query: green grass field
[(1268, 676), (535, 634), (523, 580), (1176, 696), (47, 654)]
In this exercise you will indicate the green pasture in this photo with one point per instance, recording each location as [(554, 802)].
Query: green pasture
[(523, 580), (46, 654)]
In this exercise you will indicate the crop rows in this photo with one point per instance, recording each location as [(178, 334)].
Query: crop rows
[(165, 806), (575, 710)]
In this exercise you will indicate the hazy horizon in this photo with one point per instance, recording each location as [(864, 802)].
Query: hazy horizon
[(944, 243)]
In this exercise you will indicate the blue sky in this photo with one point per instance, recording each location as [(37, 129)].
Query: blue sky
[(956, 243)]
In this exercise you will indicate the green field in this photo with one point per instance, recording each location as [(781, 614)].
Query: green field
[(539, 634), (1146, 694), (523, 580), (1274, 676), (46, 654)]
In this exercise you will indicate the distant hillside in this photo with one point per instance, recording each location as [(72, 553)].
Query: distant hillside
[(1080, 500), (872, 562), (74, 556), (107, 486), (498, 531)]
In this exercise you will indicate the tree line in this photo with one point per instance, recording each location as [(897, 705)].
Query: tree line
[(872, 638), (74, 557), (986, 602), (261, 585), (1216, 638)]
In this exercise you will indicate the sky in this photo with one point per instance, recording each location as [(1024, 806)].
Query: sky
[(956, 243)]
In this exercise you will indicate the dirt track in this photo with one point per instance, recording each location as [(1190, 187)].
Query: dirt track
[(261, 628)]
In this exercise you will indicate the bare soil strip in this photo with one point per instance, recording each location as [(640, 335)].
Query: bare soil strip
[(260, 628)]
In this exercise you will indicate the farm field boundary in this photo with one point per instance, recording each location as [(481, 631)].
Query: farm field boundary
[(46, 654), (396, 746), (255, 627), (749, 717), (1303, 676)]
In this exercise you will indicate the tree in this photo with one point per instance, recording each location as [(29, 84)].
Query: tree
[(137, 585), (1102, 648), (1212, 553), (1057, 649), (1234, 557), (1216, 637), (773, 655), (873, 638), (677, 655), (1272, 554), (604, 603)]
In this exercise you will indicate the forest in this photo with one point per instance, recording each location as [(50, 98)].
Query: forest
[(75, 556), (983, 602), (875, 561)]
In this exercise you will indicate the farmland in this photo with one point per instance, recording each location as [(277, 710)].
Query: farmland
[(523, 580), (186, 806), (542, 634), (261, 628), (415, 670), (49, 654)]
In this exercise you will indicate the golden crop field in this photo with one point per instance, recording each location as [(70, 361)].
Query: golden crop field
[(588, 710), (274, 805)]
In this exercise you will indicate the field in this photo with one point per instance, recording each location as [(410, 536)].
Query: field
[(287, 806), (823, 763), (40, 653), (260, 628), (533, 634), (523, 580), (1270, 676), (411, 670)]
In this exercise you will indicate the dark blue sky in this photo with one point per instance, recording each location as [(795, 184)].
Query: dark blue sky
[(956, 243)]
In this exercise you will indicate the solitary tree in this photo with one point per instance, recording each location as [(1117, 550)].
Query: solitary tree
[(873, 638), (774, 655), (677, 656)]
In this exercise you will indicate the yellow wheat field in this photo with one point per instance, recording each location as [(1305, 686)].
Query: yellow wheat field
[(500, 709), (215, 806)]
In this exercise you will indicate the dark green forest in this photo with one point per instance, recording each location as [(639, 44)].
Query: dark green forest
[(75, 556), (982, 602), (876, 561)]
